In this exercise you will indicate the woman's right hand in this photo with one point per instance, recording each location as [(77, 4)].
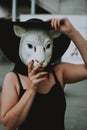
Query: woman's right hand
[(63, 25), (36, 75)]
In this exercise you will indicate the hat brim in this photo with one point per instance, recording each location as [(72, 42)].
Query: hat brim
[(10, 42), (60, 45)]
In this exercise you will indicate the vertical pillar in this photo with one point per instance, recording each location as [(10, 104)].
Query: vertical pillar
[(13, 10), (32, 6)]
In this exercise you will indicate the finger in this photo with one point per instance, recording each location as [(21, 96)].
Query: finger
[(35, 69), (56, 24), (39, 75), (52, 23), (39, 80), (30, 66)]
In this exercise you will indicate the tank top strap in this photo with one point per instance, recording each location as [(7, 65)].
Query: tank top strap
[(21, 88), (55, 77)]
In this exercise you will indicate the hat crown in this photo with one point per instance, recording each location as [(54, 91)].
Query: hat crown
[(36, 23)]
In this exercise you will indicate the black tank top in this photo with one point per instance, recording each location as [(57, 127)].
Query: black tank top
[(47, 111)]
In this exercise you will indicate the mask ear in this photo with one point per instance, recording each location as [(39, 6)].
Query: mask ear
[(54, 33), (19, 31)]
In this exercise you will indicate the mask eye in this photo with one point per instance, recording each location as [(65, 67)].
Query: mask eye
[(48, 46), (30, 46)]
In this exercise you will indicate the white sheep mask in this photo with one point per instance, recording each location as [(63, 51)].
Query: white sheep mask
[(35, 44)]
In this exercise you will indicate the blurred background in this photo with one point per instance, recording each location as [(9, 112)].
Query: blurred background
[(76, 11)]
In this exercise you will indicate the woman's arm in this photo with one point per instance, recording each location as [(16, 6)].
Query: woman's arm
[(14, 111), (71, 72)]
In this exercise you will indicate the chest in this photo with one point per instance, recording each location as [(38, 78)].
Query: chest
[(43, 87)]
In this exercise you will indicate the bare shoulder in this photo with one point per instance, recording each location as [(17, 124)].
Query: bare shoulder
[(10, 77), (11, 82), (60, 67)]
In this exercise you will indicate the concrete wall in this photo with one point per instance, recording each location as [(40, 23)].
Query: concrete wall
[(64, 6), (3, 11), (50, 5)]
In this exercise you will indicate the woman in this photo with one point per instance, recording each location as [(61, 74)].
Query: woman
[(37, 101)]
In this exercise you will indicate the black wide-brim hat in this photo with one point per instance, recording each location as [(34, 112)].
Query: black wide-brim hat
[(9, 42)]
